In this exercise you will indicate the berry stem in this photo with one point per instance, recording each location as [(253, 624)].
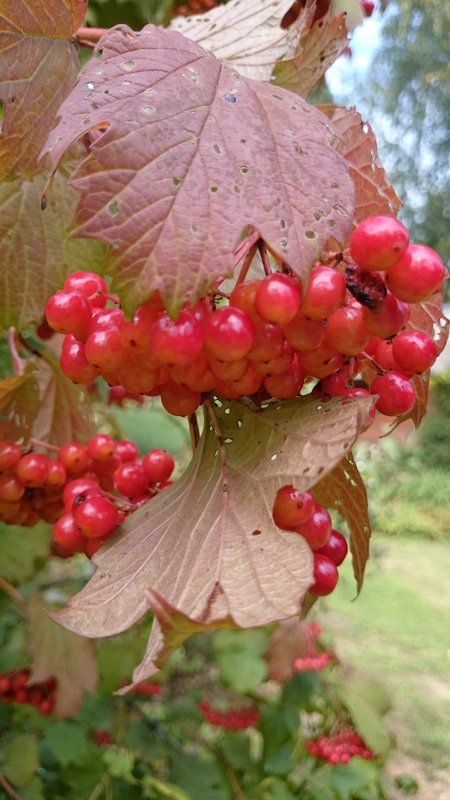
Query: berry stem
[(44, 445), (17, 361), (245, 246), (246, 265), (194, 431), (264, 258)]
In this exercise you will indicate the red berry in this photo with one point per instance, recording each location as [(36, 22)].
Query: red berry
[(68, 535), (378, 242), (179, 341), (278, 298), (325, 575), (101, 447), (105, 350), (346, 330), (322, 361), (414, 351), (74, 456), (303, 333), (317, 528), (130, 479), (243, 297), (159, 465), (287, 385), (418, 274), (389, 318), (56, 475), (229, 333), (97, 517), (91, 285), (268, 341), (69, 312), (10, 455), (291, 507), (32, 469), (396, 394), (325, 293), (126, 450), (74, 363), (336, 548), (179, 400), (75, 488)]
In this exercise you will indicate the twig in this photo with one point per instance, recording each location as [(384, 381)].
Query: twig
[(246, 265), (227, 771), (245, 246), (13, 593), (264, 258), (17, 361), (98, 791), (194, 431), (9, 789), (44, 445), (91, 34)]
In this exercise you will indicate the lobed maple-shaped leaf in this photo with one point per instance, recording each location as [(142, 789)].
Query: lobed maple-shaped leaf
[(318, 48), (205, 553), (19, 402), (38, 67), (62, 654), (343, 489), (247, 36), (37, 252), (357, 144), (190, 155), (64, 412)]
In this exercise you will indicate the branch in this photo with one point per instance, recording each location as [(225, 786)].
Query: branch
[(9, 789), (90, 34)]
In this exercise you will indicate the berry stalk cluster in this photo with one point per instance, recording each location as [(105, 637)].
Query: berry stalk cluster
[(269, 337)]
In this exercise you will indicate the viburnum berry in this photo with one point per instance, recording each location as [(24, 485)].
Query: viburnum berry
[(177, 341), (228, 370), (32, 469), (288, 384), (158, 465), (336, 548), (68, 535), (267, 343), (291, 507), (97, 516), (339, 749), (130, 479), (304, 333), (317, 528), (74, 363), (126, 450), (77, 487), (322, 361), (417, 275), (10, 455), (378, 242), (414, 351), (229, 333), (181, 401), (56, 475), (74, 456), (396, 394), (278, 298), (101, 447), (324, 294), (389, 318), (325, 575), (346, 330), (11, 488), (91, 285), (69, 312), (276, 365), (315, 662), (105, 350), (384, 356), (243, 297)]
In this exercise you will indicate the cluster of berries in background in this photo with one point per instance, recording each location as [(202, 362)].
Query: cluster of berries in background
[(298, 512), (349, 329), (339, 749), (86, 491), (15, 688), (236, 719)]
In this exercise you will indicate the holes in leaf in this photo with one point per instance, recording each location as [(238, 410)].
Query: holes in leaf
[(284, 243), (217, 149), (340, 209), (98, 52), (239, 423), (176, 181), (229, 97), (113, 208), (228, 441), (283, 224), (274, 457), (90, 86), (128, 65), (310, 234), (148, 109), (244, 170), (318, 215), (256, 533), (213, 189)]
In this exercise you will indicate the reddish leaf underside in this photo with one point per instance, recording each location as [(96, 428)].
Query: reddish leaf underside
[(317, 50), (38, 67), (62, 654), (19, 400), (30, 274), (357, 144), (64, 412), (192, 153), (343, 490), (207, 549)]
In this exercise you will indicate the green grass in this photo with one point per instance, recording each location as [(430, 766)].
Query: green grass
[(398, 631)]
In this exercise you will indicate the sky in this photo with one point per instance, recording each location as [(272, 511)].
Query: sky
[(364, 43)]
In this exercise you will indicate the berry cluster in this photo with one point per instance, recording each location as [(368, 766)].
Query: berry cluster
[(339, 749), (191, 7), (298, 512), (15, 688), (147, 689), (315, 662), (271, 336), (236, 719), (74, 490)]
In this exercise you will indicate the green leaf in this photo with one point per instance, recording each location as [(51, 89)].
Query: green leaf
[(152, 787), (120, 763), (67, 741), (347, 779), (274, 789), (83, 778), (279, 727), (20, 548), (236, 749), (116, 658), (299, 691), (366, 719), (33, 790), (199, 777), (21, 759), (37, 251), (235, 568), (239, 656)]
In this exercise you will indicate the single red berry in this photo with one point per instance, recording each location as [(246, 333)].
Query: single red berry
[(105, 350), (267, 343), (179, 400), (414, 351), (130, 479), (304, 333), (159, 465), (10, 455), (74, 456), (336, 548), (97, 517), (126, 450), (317, 528), (378, 242), (325, 293), (69, 312), (91, 285), (291, 507), (418, 274), (346, 330), (68, 535), (287, 385), (396, 395), (177, 341), (390, 317), (228, 333), (74, 363), (75, 488), (101, 447), (243, 297), (278, 298), (32, 470), (325, 575)]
